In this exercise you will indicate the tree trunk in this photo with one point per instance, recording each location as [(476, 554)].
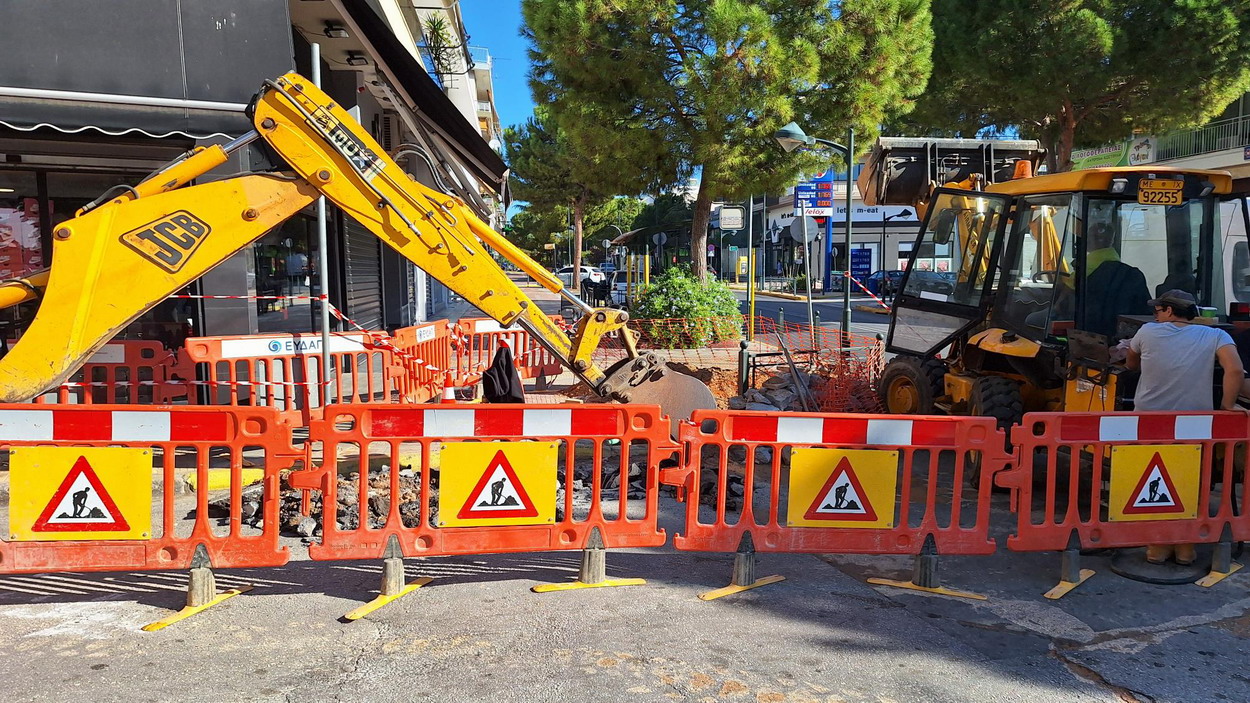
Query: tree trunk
[(698, 228), (1067, 137), (579, 213)]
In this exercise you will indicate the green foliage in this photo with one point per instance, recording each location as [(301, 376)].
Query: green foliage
[(705, 312), (533, 227), (661, 88), (1085, 72)]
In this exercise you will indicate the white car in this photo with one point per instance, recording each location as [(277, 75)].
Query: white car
[(594, 274)]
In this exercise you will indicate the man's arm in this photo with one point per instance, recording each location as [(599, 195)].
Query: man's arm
[(1133, 360), (1233, 375)]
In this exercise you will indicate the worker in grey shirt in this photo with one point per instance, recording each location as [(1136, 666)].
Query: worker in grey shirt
[(1177, 362)]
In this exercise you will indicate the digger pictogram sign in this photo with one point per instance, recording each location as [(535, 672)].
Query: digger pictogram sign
[(497, 483), (1157, 482), (842, 488), (77, 493)]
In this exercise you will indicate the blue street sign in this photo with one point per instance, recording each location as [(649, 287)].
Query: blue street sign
[(861, 263)]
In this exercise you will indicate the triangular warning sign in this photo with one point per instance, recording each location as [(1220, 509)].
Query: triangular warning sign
[(498, 493), (842, 497), (81, 504), (1155, 492)]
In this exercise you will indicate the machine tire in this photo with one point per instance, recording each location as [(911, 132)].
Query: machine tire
[(999, 398), (909, 385)]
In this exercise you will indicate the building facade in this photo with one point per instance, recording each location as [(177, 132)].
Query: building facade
[(97, 95)]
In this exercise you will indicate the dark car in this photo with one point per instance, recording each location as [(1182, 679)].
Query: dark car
[(884, 284), (940, 282)]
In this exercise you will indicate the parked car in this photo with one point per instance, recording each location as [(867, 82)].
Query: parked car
[(883, 284), (940, 282), (620, 287), (607, 267), (588, 272)]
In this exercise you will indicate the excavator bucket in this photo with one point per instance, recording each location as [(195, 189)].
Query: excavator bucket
[(903, 170)]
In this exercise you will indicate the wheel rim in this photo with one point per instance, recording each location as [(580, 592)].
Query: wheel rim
[(902, 396)]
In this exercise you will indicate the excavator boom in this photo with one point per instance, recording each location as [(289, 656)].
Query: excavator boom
[(120, 257)]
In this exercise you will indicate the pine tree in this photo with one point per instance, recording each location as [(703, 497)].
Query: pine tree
[(661, 89)]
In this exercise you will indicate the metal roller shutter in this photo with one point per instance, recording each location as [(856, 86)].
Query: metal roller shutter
[(364, 275)]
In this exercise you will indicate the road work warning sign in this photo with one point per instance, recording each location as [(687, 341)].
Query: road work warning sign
[(77, 493), (1158, 482), (842, 488), (497, 483)]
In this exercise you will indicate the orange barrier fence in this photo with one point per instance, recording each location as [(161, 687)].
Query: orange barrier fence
[(1109, 480), (837, 483), (283, 371), (132, 372), (104, 487), (482, 479), (422, 359), (478, 339)]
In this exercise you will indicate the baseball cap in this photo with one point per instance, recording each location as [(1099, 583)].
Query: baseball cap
[(1176, 298)]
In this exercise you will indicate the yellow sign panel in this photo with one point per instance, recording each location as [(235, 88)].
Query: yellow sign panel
[(1154, 482), (497, 483), (842, 488), (80, 493)]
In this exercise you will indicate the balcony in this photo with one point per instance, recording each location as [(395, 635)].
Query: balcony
[(1221, 135)]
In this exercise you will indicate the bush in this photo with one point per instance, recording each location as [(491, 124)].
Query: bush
[(701, 312)]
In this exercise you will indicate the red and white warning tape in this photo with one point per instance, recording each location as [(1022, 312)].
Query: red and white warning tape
[(880, 302)]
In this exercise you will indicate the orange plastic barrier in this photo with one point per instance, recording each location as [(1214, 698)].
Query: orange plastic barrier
[(761, 474), (81, 497), (1127, 479), (477, 341), (423, 359), (283, 371), (130, 372), (395, 471)]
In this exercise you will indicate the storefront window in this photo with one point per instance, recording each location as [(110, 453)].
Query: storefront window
[(285, 266), (20, 250)]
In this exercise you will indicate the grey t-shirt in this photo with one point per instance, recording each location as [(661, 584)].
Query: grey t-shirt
[(1177, 365)]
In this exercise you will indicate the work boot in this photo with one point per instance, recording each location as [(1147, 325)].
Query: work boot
[(1158, 553), (1184, 554)]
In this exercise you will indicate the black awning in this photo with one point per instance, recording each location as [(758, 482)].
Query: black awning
[(423, 95), (153, 67)]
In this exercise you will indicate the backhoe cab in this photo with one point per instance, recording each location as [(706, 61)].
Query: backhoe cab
[(1050, 272)]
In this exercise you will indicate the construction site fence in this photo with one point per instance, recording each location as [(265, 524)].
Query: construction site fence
[(215, 485), (1109, 480), (109, 487)]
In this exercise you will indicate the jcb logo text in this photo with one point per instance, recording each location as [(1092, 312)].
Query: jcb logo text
[(169, 241)]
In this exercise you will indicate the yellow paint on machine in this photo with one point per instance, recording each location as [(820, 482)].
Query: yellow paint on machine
[(497, 483), (842, 488), (1154, 482), (80, 493)]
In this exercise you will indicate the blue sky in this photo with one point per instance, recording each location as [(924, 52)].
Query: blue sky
[(496, 25)]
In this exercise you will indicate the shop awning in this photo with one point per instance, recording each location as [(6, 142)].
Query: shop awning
[(187, 69), (423, 97)]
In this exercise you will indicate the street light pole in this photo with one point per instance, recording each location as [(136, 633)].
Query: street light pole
[(792, 137)]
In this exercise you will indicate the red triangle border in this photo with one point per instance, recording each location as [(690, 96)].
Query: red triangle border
[(82, 466), (501, 460), (843, 467), (1177, 507)]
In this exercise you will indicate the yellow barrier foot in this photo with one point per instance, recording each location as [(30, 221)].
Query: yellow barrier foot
[(1071, 574), (393, 587), (577, 585), (1222, 564), (190, 610), (924, 576), (744, 572), (736, 588), (382, 600), (1064, 587), (594, 571), (1216, 576), (201, 591), (938, 590)]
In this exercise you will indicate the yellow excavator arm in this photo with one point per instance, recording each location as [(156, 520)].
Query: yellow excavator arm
[(118, 258)]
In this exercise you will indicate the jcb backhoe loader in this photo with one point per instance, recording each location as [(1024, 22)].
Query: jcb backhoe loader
[(1050, 273), (133, 247)]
